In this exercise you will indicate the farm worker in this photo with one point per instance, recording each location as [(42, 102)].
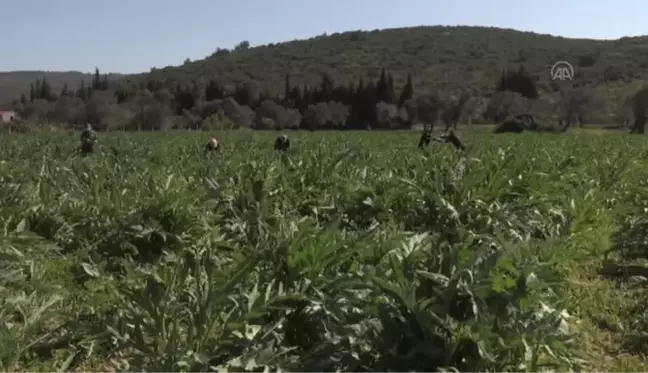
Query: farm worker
[(282, 142), (426, 136), (212, 145), (88, 139), (452, 139)]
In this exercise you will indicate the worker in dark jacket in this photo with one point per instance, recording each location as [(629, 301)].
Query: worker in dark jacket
[(282, 142), (426, 136), (88, 140)]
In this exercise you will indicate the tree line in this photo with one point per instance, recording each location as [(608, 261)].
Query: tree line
[(213, 103)]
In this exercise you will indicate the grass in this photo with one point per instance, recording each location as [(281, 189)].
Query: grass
[(355, 252)]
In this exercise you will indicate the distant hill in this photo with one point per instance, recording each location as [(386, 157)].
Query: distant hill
[(439, 57), (13, 83), (442, 61)]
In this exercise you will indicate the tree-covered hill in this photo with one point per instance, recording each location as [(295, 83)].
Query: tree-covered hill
[(438, 57), (354, 79)]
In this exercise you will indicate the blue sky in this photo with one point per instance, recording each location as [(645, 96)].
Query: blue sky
[(135, 35)]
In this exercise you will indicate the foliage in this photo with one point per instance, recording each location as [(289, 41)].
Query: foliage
[(13, 84), (350, 253), (304, 73), (518, 81), (439, 57)]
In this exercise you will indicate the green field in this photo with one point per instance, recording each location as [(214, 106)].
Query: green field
[(355, 252)]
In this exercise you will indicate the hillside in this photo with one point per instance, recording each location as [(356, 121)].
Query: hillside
[(14, 83), (247, 87), (438, 57)]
